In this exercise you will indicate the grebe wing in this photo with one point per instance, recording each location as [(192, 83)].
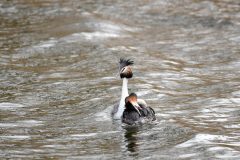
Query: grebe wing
[(152, 113), (146, 111), (115, 108)]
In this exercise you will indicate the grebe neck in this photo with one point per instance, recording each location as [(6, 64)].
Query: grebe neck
[(124, 89), (121, 106)]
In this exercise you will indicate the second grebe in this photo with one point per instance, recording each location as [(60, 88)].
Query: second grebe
[(125, 72), (136, 111)]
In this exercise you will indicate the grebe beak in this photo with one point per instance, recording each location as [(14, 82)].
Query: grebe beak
[(137, 107)]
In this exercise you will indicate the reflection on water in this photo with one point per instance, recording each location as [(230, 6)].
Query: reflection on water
[(131, 139), (58, 63)]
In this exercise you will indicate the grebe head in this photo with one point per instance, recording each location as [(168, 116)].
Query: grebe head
[(131, 102), (125, 70)]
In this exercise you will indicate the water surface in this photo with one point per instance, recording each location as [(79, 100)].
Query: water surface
[(58, 64)]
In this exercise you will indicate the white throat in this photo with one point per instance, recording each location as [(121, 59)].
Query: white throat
[(121, 106)]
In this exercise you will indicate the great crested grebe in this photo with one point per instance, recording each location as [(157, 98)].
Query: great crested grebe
[(136, 111), (125, 72)]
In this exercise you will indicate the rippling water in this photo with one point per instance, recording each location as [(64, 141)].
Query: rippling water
[(58, 63)]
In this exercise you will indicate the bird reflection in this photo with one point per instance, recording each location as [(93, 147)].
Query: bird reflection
[(131, 139)]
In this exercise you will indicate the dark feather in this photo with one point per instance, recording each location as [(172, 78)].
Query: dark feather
[(115, 109), (125, 62), (130, 117), (149, 113)]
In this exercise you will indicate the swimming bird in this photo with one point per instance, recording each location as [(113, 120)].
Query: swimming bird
[(137, 111), (125, 73)]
